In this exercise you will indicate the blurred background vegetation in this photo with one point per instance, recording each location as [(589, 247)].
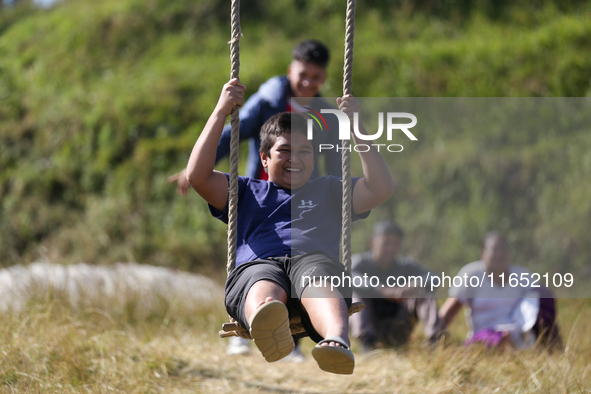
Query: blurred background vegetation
[(100, 101)]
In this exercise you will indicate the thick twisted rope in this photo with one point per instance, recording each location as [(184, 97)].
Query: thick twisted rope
[(345, 144), (234, 140)]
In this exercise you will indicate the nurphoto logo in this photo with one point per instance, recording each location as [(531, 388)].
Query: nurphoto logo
[(345, 127)]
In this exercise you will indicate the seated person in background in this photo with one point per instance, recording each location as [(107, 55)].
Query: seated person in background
[(391, 312), (278, 244), (499, 316)]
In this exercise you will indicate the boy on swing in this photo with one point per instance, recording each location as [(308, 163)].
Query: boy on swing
[(277, 247)]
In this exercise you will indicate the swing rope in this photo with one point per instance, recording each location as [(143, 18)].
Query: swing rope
[(345, 144), (234, 141)]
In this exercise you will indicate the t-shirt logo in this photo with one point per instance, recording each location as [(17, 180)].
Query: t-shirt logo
[(307, 204)]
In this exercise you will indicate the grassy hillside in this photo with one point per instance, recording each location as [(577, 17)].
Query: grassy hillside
[(101, 101)]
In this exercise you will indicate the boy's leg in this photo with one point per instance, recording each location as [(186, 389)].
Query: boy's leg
[(323, 310), (328, 313), (248, 279), (268, 318), (256, 293), (261, 292)]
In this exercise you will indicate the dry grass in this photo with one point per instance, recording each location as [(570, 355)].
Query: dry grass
[(48, 347)]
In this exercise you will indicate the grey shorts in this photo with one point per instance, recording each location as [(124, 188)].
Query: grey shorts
[(287, 272)]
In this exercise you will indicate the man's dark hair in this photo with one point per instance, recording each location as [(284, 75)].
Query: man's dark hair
[(494, 234), (279, 125), (387, 227), (311, 51)]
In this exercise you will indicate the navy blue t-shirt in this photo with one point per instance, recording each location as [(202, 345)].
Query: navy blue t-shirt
[(273, 222)]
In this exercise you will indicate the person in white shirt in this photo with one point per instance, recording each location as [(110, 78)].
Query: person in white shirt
[(498, 314)]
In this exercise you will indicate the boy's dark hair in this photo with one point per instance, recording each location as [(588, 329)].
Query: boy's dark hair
[(311, 51), (279, 125), (387, 227)]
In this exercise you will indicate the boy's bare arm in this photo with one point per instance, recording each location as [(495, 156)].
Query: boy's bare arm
[(213, 185), (376, 186)]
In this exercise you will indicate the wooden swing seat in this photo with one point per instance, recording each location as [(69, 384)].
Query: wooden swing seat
[(233, 329)]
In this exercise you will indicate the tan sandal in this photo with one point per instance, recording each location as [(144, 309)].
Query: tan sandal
[(269, 328), (334, 359)]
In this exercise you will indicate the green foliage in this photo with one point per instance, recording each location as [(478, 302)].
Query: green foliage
[(515, 165), (101, 101)]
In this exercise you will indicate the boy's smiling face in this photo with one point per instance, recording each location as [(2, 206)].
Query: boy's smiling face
[(290, 161), (305, 79)]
